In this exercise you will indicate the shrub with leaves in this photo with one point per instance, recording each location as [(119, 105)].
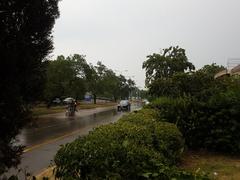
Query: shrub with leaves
[(138, 146), (212, 124)]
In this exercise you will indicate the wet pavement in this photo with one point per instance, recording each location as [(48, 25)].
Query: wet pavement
[(44, 138), (54, 125)]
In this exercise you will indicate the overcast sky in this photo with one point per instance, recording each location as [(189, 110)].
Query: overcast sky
[(121, 33)]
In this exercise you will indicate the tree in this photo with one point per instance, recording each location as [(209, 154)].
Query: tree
[(25, 41), (124, 89), (111, 85), (73, 76), (131, 86), (60, 74), (199, 84), (102, 81), (94, 80), (66, 77), (164, 65), (212, 69)]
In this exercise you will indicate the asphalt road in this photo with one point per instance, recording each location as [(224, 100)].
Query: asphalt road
[(51, 131)]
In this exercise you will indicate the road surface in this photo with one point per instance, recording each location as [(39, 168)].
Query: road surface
[(51, 131)]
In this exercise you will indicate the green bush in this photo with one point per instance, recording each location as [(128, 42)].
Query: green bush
[(165, 137), (212, 124), (138, 146), (101, 155)]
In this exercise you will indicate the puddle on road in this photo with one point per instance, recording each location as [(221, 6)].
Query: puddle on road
[(53, 127)]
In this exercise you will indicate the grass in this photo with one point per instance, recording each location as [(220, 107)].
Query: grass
[(218, 166), (38, 111), (43, 110)]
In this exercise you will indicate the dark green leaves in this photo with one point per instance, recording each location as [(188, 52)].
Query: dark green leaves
[(162, 66)]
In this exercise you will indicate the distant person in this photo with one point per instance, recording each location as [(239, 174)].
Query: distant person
[(75, 106), (70, 108)]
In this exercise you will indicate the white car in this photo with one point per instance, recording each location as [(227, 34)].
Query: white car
[(145, 102), (56, 101), (124, 105)]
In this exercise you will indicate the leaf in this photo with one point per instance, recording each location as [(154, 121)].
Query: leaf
[(146, 175), (125, 143)]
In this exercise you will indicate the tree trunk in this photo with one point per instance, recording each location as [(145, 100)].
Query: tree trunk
[(94, 98)]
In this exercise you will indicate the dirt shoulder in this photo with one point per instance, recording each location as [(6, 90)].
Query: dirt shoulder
[(218, 166)]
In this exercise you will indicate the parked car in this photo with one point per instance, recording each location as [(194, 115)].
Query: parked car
[(124, 105), (56, 101), (145, 102)]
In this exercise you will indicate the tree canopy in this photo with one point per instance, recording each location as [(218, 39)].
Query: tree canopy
[(170, 74), (25, 41), (66, 77), (73, 76), (161, 66)]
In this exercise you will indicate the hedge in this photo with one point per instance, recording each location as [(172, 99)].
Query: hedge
[(138, 146), (213, 124)]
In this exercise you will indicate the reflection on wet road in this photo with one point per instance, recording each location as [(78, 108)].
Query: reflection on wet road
[(44, 139), (52, 127)]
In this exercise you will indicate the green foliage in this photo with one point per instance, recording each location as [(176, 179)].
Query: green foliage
[(206, 110), (199, 84), (162, 66), (138, 146), (212, 124), (25, 41), (73, 76), (212, 69), (66, 77)]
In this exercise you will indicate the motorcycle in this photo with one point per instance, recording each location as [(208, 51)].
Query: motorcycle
[(70, 111), (71, 108)]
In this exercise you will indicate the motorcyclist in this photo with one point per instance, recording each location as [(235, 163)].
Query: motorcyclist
[(75, 106), (71, 108)]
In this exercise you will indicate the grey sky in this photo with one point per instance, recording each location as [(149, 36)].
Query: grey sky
[(121, 33)]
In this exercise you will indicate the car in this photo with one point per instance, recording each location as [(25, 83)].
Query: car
[(56, 101), (124, 105), (145, 102)]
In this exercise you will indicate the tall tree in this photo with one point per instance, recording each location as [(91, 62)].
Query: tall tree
[(164, 65), (66, 77), (124, 87), (97, 80), (111, 85), (199, 84), (60, 75), (93, 82), (81, 69), (25, 41)]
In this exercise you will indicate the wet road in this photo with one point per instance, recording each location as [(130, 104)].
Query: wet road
[(55, 125), (49, 132)]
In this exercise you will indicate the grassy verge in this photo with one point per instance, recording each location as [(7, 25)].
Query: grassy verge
[(219, 167), (42, 110)]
